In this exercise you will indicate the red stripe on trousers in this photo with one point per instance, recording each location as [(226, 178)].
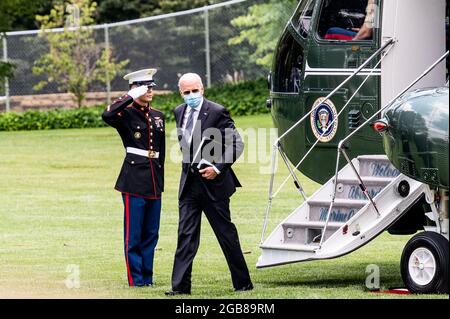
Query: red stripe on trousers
[(127, 221)]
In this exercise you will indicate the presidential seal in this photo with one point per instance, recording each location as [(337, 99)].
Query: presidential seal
[(324, 113)]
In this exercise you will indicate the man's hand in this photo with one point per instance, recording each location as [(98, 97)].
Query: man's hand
[(208, 173), (138, 92), (364, 33)]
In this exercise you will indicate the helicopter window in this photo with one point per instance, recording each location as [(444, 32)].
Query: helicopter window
[(303, 16), (347, 19), (288, 71)]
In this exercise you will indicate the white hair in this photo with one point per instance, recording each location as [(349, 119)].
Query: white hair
[(193, 76)]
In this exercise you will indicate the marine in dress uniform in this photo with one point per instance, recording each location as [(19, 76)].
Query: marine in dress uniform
[(141, 179), (206, 190)]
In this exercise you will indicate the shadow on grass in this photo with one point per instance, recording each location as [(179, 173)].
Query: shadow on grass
[(327, 275)]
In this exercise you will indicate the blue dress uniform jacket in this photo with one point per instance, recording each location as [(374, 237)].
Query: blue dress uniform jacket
[(141, 128)]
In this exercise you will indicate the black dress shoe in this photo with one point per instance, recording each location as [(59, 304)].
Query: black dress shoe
[(245, 288), (176, 293)]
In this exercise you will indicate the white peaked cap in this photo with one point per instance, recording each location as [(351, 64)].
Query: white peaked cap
[(140, 76)]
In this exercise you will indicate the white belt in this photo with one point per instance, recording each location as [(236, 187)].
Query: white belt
[(138, 151)]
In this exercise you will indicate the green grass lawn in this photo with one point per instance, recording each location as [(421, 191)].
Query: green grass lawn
[(58, 208)]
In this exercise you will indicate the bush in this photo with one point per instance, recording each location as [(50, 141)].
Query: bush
[(242, 99), (54, 119)]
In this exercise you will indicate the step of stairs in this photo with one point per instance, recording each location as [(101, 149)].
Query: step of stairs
[(343, 209), (307, 232), (292, 247), (376, 166), (298, 237), (349, 188)]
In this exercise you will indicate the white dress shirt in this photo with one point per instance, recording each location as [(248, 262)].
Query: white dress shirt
[(188, 112)]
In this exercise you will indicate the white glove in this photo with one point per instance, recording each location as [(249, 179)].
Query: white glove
[(138, 92)]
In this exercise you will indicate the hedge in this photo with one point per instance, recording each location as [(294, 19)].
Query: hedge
[(241, 99)]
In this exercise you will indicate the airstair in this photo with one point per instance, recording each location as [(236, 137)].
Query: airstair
[(353, 220), (359, 202)]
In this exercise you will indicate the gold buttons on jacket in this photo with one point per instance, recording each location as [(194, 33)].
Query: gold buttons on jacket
[(137, 135)]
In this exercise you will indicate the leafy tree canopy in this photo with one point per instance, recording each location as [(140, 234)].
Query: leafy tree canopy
[(261, 27), (74, 60), (20, 14)]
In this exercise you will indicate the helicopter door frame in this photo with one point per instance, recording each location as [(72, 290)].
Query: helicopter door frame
[(425, 38)]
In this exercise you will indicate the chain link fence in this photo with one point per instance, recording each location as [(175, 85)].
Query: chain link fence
[(191, 41)]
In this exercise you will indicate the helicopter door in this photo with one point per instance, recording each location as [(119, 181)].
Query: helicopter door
[(334, 52)]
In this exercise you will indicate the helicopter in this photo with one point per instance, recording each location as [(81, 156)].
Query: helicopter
[(368, 119)]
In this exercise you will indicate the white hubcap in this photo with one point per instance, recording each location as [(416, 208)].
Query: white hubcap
[(422, 266)]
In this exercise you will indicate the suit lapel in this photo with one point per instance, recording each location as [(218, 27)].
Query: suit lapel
[(181, 117), (204, 111)]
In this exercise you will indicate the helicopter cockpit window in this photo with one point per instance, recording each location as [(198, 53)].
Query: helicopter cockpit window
[(347, 20), (303, 16)]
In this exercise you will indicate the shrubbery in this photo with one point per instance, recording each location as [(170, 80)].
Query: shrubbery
[(242, 99)]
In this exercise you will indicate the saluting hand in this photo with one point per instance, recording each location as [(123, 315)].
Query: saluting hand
[(208, 173), (137, 92)]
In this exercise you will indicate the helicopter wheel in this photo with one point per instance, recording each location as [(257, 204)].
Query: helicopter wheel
[(425, 264)]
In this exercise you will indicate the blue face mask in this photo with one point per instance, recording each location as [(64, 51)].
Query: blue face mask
[(193, 100)]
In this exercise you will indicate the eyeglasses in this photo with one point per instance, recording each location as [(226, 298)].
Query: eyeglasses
[(149, 84), (191, 91)]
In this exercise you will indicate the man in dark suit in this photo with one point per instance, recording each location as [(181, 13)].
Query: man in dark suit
[(206, 188)]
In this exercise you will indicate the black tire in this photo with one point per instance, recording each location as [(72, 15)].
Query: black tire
[(436, 244)]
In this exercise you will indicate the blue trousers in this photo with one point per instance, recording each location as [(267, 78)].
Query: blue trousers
[(141, 227)]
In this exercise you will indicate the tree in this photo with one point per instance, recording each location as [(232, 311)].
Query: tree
[(119, 10), (167, 6), (12, 13), (74, 60), (20, 14), (6, 71), (262, 26)]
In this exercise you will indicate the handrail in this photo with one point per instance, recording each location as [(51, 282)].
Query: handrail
[(277, 144), (388, 42), (332, 122), (343, 141)]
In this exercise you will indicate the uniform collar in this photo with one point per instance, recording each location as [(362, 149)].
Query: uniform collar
[(144, 109)]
